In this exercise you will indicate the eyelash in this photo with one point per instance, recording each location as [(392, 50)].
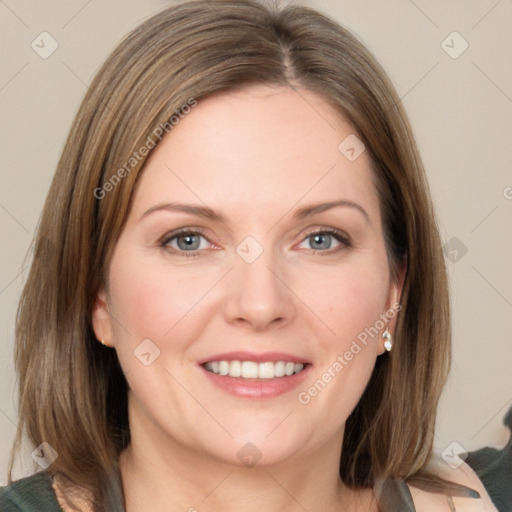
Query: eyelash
[(339, 235)]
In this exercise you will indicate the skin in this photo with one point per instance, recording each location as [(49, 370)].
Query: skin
[(255, 156)]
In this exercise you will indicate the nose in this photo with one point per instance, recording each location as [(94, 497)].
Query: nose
[(259, 294)]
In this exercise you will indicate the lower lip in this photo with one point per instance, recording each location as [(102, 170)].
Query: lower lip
[(268, 388)]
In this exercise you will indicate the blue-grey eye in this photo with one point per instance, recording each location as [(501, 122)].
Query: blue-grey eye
[(320, 241), (190, 241), (184, 241)]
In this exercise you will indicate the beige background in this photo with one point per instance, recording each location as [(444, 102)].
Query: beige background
[(461, 111)]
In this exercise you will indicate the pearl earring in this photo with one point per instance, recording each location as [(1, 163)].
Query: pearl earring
[(388, 344)]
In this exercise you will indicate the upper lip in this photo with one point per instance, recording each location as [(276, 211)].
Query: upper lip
[(262, 357)]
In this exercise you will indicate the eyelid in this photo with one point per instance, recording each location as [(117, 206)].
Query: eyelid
[(180, 231), (324, 229)]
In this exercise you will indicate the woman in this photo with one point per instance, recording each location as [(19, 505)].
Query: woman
[(238, 297)]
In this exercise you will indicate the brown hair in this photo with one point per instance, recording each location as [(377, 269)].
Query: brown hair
[(72, 391)]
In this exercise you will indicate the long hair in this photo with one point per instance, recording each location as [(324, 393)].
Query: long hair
[(72, 391)]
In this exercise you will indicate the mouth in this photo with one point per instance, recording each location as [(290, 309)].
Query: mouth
[(253, 370), (256, 376)]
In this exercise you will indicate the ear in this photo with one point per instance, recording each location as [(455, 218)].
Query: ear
[(393, 302), (101, 320)]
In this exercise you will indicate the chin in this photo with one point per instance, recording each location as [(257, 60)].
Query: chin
[(258, 448)]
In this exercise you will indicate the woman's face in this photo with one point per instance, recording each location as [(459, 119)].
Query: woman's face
[(258, 276)]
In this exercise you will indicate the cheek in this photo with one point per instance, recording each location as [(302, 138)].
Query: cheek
[(150, 301), (350, 306), (349, 300)]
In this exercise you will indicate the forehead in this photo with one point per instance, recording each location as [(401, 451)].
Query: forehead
[(261, 146)]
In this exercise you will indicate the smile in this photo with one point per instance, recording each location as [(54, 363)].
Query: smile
[(254, 370)]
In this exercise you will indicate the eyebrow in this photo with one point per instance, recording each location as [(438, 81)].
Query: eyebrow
[(301, 213)]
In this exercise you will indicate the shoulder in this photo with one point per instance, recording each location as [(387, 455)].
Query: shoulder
[(29, 494), (460, 473)]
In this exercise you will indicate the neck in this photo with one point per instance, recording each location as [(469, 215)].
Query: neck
[(221, 487), (160, 474)]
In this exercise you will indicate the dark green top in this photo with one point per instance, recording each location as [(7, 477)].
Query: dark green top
[(30, 494), (35, 494)]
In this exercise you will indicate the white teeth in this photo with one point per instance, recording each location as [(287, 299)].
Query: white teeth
[(279, 369), (249, 369), (266, 370), (253, 370), (223, 367), (235, 369)]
